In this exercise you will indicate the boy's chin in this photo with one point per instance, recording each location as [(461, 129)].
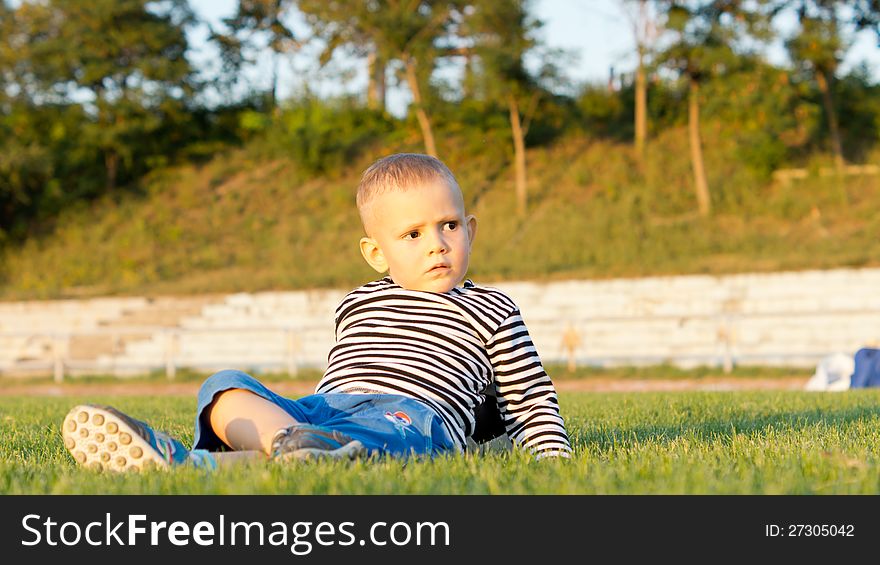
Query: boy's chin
[(437, 285)]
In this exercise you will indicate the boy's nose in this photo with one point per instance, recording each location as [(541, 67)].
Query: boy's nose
[(438, 245)]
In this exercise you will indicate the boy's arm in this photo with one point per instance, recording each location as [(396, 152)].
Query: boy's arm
[(526, 395)]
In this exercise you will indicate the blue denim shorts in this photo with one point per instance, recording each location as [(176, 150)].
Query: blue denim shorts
[(387, 424)]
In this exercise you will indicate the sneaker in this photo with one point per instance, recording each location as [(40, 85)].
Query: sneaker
[(101, 437), (303, 441)]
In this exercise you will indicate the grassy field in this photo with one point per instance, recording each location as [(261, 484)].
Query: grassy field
[(625, 443), (556, 371)]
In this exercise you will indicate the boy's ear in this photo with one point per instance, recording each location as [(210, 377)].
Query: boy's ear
[(373, 254), (471, 222)]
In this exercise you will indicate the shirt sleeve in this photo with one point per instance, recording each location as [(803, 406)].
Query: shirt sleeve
[(526, 396)]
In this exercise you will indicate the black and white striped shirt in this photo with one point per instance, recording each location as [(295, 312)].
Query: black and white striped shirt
[(445, 350)]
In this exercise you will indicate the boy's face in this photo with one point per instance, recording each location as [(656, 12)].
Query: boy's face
[(420, 236)]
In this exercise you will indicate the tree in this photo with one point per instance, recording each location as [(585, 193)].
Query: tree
[(128, 56), (502, 32), (336, 30), (376, 82), (256, 21), (818, 48), (866, 15), (645, 31), (22, 29), (705, 37), (27, 162), (7, 31), (407, 31)]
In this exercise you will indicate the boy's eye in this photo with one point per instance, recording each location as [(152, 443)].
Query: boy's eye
[(411, 235), (451, 225)]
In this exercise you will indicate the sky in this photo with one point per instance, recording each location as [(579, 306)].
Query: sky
[(596, 32)]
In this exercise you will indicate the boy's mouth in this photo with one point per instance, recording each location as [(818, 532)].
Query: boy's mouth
[(438, 267)]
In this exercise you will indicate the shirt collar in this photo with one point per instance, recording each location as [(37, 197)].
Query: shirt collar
[(468, 283)]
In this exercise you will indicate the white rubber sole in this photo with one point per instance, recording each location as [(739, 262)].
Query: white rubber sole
[(99, 439)]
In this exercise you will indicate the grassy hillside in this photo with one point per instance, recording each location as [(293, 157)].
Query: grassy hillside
[(241, 223)]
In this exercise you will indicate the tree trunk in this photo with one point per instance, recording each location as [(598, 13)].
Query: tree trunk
[(641, 106), (111, 157), (700, 185), (467, 85), (828, 102), (422, 116), (111, 164), (519, 154), (273, 93), (376, 82)]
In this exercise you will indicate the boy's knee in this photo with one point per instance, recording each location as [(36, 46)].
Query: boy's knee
[(226, 379)]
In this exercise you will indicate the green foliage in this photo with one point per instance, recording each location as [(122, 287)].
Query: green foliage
[(860, 113), (93, 97), (320, 136), (605, 113), (553, 115), (706, 36), (504, 33), (473, 129), (106, 152), (818, 46), (256, 26), (243, 222), (763, 114), (44, 166), (131, 62)]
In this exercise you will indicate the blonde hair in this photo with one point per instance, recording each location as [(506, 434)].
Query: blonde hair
[(401, 172)]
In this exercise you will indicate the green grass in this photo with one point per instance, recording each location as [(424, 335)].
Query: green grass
[(157, 377), (639, 443), (671, 372), (558, 372)]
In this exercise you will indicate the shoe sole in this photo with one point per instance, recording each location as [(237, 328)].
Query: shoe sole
[(351, 450), (99, 439)]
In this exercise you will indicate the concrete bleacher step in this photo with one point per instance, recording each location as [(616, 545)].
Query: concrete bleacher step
[(752, 315), (162, 312), (34, 317)]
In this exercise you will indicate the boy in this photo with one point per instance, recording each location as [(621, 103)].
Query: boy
[(415, 352)]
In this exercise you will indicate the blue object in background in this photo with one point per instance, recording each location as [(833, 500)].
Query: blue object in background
[(867, 371)]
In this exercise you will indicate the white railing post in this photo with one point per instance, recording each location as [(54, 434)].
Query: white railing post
[(728, 358), (116, 347), (571, 340), (170, 354), (58, 358), (725, 337)]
